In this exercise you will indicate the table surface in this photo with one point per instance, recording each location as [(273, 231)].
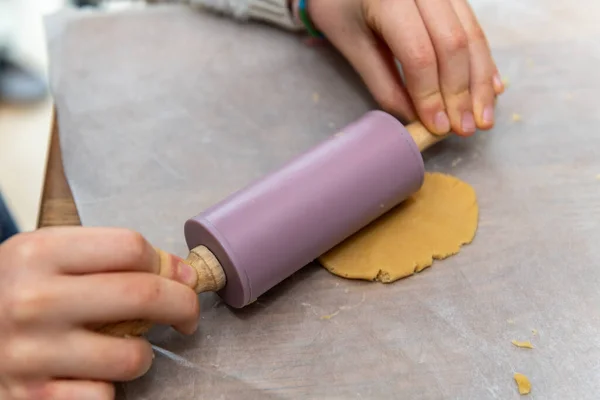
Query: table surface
[(443, 334), (57, 206)]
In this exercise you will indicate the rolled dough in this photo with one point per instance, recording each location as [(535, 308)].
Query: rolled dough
[(432, 224)]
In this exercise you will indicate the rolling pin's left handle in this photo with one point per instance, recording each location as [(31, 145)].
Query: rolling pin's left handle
[(211, 278)]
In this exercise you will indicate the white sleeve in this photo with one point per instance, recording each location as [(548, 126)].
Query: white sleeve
[(275, 12)]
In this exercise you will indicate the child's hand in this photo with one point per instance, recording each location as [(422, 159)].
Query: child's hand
[(451, 78), (56, 282)]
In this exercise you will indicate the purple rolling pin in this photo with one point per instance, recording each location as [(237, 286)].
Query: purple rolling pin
[(267, 231)]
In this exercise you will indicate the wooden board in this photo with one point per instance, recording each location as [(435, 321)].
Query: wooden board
[(57, 205)]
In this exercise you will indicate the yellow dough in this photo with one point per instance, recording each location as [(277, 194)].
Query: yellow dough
[(524, 345), (432, 224), (523, 383)]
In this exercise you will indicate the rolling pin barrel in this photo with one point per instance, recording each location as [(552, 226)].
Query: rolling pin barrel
[(267, 231)]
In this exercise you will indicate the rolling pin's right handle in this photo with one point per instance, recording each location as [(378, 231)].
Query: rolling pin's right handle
[(422, 137), (211, 278)]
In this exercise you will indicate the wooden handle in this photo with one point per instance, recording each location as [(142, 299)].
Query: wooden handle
[(211, 278), (422, 137)]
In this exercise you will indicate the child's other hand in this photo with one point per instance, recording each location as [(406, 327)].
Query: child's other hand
[(54, 283), (451, 78)]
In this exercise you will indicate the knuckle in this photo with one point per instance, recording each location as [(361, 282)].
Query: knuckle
[(25, 305), (145, 291), (135, 244), (483, 82), (134, 360), (457, 41), (476, 34), (371, 14), (483, 89), (429, 101), (421, 57), (461, 97), (29, 248), (18, 354)]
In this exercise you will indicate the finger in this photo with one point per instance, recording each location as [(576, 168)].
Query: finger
[(68, 390), (93, 250), (80, 250), (497, 80), (375, 64), (452, 49), (401, 26), (498, 84), (111, 297), (81, 354), (483, 67)]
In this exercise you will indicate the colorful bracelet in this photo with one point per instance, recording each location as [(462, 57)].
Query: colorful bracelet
[(303, 14)]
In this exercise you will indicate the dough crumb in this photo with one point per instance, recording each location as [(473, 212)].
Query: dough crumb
[(523, 383), (344, 308), (339, 134), (329, 316), (569, 96), (316, 97), (598, 177), (516, 117), (534, 331), (456, 161), (524, 345), (506, 82), (530, 62), (510, 321)]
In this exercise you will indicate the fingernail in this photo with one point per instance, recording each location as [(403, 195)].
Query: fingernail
[(488, 115), (498, 85), (468, 122), (186, 274), (441, 122)]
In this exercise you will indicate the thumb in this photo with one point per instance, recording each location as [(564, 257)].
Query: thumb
[(376, 65), (175, 268), (370, 57)]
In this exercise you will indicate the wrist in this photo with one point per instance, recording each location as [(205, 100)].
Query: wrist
[(302, 12)]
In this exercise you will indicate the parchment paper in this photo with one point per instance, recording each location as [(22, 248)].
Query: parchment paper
[(165, 111)]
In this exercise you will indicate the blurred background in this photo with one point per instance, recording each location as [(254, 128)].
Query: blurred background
[(26, 105), (25, 108)]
